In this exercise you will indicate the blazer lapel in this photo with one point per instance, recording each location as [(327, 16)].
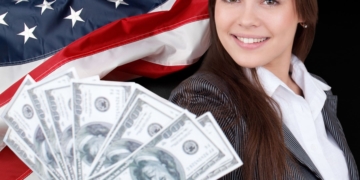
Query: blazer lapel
[(299, 153), (333, 126)]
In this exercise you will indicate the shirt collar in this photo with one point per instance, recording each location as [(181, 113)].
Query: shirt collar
[(268, 80), (299, 70), (312, 88)]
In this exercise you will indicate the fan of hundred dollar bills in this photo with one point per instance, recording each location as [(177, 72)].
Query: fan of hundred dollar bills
[(64, 128)]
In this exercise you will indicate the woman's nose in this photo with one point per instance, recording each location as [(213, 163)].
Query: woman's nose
[(248, 15)]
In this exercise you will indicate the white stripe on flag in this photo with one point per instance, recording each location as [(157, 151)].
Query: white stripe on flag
[(32, 176), (11, 74), (164, 7)]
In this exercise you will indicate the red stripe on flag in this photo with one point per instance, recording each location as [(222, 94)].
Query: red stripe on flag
[(24, 175), (11, 167), (148, 69)]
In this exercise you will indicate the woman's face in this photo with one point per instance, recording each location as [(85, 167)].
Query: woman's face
[(257, 32)]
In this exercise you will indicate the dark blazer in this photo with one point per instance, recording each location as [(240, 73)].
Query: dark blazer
[(205, 91)]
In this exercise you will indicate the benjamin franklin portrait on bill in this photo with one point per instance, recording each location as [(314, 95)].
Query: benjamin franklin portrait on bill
[(43, 150), (155, 164), (119, 150), (90, 139)]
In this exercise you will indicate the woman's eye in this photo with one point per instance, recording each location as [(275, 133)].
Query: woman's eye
[(270, 2), (231, 1)]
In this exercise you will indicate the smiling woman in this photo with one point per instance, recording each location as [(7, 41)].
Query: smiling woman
[(279, 118)]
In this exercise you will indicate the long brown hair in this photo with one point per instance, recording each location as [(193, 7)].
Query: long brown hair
[(264, 153)]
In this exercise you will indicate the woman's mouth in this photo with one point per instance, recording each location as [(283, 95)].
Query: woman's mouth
[(250, 43), (251, 40)]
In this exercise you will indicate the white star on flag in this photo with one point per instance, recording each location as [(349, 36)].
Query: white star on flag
[(118, 2), (2, 21), (28, 33), (19, 1), (75, 16), (45, 5)]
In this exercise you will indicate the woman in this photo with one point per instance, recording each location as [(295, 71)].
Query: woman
[(279, 118)]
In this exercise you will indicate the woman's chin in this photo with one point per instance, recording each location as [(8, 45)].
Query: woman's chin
[(250, 61)]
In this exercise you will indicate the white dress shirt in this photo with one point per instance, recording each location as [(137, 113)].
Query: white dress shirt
[(302, 115)]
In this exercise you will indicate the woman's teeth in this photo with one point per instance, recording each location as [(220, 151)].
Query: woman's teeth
[(250, 40)]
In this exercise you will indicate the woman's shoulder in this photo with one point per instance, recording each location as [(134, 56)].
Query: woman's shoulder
[(202, 81), (204, 92)]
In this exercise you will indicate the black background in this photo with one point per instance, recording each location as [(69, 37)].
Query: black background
[(334, 57)]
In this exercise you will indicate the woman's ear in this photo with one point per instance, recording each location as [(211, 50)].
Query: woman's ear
[(303, 24), (301, 19)]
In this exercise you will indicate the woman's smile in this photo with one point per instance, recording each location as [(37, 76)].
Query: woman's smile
[(250, 42)]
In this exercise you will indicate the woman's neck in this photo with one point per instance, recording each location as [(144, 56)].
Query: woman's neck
[(281, 69)]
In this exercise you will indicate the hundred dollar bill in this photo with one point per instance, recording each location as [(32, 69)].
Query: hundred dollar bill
[(180, 151), (214, 132), (59, 101), (96, 108), (38, 98), (147, 114), (139, 90), (20, 116), (27, 155)]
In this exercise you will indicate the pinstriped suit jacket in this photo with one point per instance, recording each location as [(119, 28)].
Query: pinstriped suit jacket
[(205, 91)]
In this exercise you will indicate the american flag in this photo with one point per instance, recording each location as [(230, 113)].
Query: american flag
[(112, 38)]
